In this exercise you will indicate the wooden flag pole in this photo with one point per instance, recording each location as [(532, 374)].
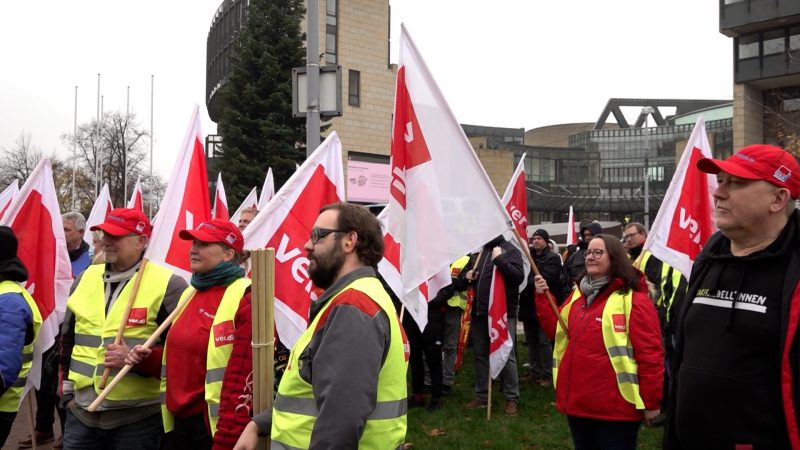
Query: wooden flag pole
[(263, 312), (489, 397), (535, 269), (31, 419), (150, 341), (124, 322)]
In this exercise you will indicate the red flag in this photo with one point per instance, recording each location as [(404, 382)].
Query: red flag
[(102, 206), (500, 340), (35, 217), (220, 201), (515, 199), (571, 228), (267, 191), (685, 220), (441, 203), (185, 203), (136, 196), (7, 195), (286, 223), (251, 201)]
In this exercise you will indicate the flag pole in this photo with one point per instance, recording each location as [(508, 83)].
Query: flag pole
[(263, 341), (535, 269), (466, 318), (489, 398), (124, 322), (149, 343), (31, 419)]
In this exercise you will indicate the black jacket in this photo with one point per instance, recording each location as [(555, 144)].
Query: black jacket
[(509, 263), (549, 265), (789, 332)]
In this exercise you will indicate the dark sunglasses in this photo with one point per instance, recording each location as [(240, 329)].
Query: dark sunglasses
[(318, 233)]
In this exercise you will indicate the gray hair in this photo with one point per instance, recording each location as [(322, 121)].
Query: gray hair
[(77, 219)]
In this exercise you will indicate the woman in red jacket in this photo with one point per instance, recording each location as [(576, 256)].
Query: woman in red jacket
[(200, 341), (608, 364)]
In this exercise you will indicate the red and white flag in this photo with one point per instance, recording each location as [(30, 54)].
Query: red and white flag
[(685, 220), (136, 197), (267, 191), (185, 203), (435, 213), (35, 217), (571, 228), (220, 201), (7, 195), (251, 201), (500, 337), (515, 199), (102, 206), (286, 223)]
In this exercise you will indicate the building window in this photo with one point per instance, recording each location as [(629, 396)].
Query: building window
[(748, 46), (331, 31), (354, 88), (794, 39), (774, 42)]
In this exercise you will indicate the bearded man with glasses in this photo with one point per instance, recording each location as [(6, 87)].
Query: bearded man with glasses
[(345, 382)]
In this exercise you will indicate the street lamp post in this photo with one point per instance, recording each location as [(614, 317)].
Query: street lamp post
[(647, 110)]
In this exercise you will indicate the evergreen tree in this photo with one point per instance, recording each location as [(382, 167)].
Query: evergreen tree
[(257, 127)]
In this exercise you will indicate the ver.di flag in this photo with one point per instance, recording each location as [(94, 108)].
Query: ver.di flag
[(571, 228), (436, 213), (7, 195), (685, 220), (251, 201), (285, 225), (267, 191), (102, 206), (35, 217), (185, 203), (136, 197), (220, 201)]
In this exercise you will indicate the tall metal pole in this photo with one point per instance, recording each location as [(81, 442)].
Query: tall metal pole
[(647, 178), (97, 149), (152, 77), (312, 76), (74, 147), (100, 135), (124, 150)]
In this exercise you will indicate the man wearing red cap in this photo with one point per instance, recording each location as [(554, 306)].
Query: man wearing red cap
[(130, 416), (736, 371)]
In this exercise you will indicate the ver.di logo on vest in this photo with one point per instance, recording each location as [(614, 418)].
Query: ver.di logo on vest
[(223, 333)]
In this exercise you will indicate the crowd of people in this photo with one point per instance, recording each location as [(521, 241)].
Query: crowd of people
[(623, 337)]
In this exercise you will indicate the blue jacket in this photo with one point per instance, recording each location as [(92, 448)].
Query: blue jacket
[(16, 325)]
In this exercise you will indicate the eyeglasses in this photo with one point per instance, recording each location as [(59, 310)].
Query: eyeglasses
[(627, 237), (596, 253), (318, 233)]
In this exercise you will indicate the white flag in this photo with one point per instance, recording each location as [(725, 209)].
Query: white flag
[(102, 206), (7, 195), (267, 191), (251, 201)]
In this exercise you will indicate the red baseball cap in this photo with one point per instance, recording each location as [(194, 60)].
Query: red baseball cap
[(124, 221), (759, 162), (216, 230)]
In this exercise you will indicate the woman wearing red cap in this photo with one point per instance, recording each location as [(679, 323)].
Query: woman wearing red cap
[(197, 353)]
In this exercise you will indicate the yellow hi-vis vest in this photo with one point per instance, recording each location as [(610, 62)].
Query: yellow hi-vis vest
[(459, 300), (670, 279), (9, 402), (94, 330), (617, 343), (219, 352), (295, 408)]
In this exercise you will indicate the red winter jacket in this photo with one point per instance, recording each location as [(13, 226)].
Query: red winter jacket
[(587, 385)]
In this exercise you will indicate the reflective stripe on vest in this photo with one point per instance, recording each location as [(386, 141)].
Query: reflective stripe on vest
[(670, 279), (295, 409), (459, 300), (217, 355), (617, 344), (94, 329), (9, 401)]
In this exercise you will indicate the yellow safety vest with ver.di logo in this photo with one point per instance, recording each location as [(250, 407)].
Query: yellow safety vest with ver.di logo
[(94, 330), (220, 345), (9, 401), (295, 409), (459, 300), (616, 341)]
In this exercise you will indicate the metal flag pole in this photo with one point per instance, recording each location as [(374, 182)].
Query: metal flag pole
[(312, 76), (97, 149), (74, 147), (151, 146)]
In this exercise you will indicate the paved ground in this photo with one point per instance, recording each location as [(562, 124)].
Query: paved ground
[(22, 429)]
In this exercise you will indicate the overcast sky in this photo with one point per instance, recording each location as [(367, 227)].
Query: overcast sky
[(509, 63)]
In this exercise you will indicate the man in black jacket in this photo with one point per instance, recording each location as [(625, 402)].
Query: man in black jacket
[(508, 260), (735, 381), (540, 351), (576, 263)]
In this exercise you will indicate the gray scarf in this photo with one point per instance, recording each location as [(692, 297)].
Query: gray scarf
[(591, 287)]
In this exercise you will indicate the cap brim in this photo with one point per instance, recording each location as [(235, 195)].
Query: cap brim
[(110, 228), (715, 166), (189, 235)]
